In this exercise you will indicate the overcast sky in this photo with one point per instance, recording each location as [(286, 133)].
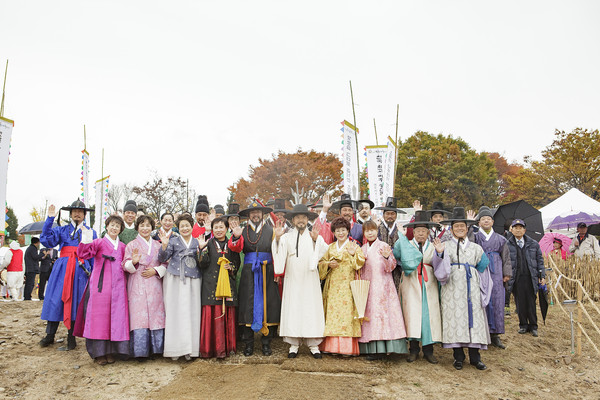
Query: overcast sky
[(202, 89)]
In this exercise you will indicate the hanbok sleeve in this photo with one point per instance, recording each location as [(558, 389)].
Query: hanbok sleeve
[(407, 254), (441, 267), (88, 250), (205, 258), (483, 262), (389, 264), (50, 237), (279, 251), (324, 265), (485, 284), (165, 255), (236, 245), (127, 259), (358, 259), (320, 248), (325, 228)]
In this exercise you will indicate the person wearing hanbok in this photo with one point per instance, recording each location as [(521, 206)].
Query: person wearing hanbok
[(181, 291), (103, 315), (167, 222), (145, 292), (419, 288), (219, 295), (70, 274), (338, 268), (346, 208), (297, 253), (496, 248), (461, 267), (130, 211), (383, 330)]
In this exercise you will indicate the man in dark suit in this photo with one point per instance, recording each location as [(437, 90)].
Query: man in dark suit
[(45, 269), (32, 266)]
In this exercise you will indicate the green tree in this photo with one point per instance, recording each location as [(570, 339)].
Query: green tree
[(12, 224), (442, 168)]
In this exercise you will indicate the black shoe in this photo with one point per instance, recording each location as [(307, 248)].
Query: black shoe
[(47, 341), (266, 350), (479, 365), (430, 358), (71, 344), (496, 342), (412, 357), (292, 355), (318, 356), (522, 330), (457, 364), (249, 350), (534, 333)]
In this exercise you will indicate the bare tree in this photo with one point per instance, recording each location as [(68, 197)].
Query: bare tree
[(118, 195), (164, 194)]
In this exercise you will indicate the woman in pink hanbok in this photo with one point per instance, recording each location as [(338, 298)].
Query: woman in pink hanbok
[(383, 330), (102, 316), (145, 292)]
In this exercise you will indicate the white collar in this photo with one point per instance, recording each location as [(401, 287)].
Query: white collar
[(416, 244), (345, 243), (115, 243), (463, 244), (132, 226), (168, 233), (187, 245), (76, 226), (254, 227), (148, 242), (487, 236)]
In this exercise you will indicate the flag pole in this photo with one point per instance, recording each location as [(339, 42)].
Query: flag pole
[(102, 169), (375, 127), (3, 90), (396, 149), (355, 137)]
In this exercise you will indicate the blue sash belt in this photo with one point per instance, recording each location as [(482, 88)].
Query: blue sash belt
[(258, 260)]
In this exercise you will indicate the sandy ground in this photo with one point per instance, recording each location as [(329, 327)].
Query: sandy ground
[(529, 368)]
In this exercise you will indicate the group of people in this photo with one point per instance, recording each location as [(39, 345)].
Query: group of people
[(202, 282)]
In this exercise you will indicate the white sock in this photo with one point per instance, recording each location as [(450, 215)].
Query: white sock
[(294, 349), (314, 349)]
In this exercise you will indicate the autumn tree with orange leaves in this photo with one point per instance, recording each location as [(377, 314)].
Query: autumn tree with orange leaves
[(318, 173)]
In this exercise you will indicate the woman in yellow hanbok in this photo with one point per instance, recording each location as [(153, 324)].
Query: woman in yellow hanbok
[(338, 267)]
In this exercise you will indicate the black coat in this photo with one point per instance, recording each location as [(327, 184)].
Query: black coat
[(32, 259), (46, 263), (533, 257), (210, 273)]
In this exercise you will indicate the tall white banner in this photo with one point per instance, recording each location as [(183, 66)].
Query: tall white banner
[(350, 161), (389, 169), (85, 169), (101, 213), (375, 172), (6, 126)]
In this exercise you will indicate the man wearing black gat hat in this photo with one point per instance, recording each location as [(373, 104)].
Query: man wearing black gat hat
[(346, 208), (69, 276), (203, 220)]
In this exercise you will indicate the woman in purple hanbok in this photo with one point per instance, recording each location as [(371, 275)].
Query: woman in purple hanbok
[(103, 317), (384, 331), (145, 292)]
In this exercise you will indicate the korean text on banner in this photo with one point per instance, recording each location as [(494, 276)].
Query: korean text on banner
[(389, 169), (350, 160), (6, 126), (101, 187), (375, 171)]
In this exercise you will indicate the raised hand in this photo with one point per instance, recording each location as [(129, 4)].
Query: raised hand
[(386, 251), (279, 229), (439, 245), (52, 211), (164, 239), (314, 234), (471, 214), (326, 203), (202, 242), (351, 248), (401, 228), (417, 205), (236, 229), (211, 216), (135, 256)]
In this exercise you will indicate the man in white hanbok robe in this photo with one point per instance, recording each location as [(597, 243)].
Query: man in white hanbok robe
[(297, 253)]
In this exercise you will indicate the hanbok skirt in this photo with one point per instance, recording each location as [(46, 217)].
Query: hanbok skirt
[(100, 348), (217, 332), (145, 342), (182, 316), (384, 347), (340, 345)]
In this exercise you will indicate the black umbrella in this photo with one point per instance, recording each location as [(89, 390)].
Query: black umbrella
[(34, 228), (523, 210), (594, 229), (543, 297)]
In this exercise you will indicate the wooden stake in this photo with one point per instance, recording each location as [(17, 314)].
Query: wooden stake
[(375, 127), (579, 298), (84, 138), (102, 170)]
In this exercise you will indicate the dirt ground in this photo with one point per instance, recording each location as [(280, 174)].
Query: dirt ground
[(541, 368)]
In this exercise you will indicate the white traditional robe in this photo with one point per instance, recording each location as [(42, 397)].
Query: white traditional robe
[(302, 313)]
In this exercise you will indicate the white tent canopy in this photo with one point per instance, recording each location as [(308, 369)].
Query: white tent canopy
[(573, 200)]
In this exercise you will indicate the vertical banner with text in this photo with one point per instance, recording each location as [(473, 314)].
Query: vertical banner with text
[(389, 169), (6, 126), (101, 212), (350, 161), (85, 169), (375, 173)]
